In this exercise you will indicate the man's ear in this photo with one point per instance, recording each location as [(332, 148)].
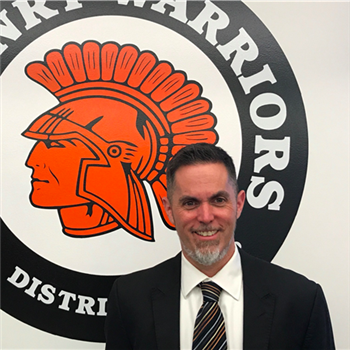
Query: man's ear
[(240, 203), (167, 208)]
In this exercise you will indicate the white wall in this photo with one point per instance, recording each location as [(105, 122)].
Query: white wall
[(315, 37)]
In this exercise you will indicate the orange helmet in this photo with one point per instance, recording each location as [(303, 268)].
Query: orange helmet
[(134, 113)]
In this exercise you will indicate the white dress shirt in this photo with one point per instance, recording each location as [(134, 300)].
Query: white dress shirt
[(229, 278)]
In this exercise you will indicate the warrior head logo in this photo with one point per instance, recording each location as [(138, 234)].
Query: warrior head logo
[(122, 114)]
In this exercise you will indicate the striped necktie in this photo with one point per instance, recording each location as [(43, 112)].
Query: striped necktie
[(209, 329)]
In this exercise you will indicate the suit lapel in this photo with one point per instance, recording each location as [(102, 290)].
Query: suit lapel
[(166, 306), (259, 306)]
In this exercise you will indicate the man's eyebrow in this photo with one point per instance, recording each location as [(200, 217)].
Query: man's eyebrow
[(187, 198), (220, 194), (215, 195)]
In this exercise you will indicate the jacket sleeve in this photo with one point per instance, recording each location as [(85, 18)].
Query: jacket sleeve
[(115, 330), (319, 335)]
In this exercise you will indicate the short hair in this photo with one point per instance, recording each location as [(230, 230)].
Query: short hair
[(199, 153)]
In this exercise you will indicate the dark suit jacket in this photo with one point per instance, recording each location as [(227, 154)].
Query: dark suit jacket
[(282, 310)]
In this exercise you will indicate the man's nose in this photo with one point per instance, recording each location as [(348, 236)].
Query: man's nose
[(205, 213)]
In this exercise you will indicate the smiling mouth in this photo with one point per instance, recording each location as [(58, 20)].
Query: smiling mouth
[(206, 233)]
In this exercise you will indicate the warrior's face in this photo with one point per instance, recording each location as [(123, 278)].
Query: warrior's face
[(56, 166)]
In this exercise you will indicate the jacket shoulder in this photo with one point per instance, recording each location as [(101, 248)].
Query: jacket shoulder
[(275, 278), (167, 270)]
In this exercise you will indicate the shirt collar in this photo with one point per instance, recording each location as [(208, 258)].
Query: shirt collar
[(229, 278)]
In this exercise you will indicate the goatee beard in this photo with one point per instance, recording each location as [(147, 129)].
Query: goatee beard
[(208, 253)]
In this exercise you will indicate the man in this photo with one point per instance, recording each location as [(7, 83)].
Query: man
[(261, 306)]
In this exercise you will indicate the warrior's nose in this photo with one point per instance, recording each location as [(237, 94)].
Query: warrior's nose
[(36, 156)]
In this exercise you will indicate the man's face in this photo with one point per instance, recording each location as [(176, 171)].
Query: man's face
[(56, 166), (204, 208)]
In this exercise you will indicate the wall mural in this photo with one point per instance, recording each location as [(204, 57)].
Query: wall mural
[(97, 96), (122, 115)]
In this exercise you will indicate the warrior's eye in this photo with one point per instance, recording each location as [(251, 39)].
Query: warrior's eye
[(51, 144)]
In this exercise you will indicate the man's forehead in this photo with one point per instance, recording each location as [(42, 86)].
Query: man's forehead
[(200, 177), (199, 165)]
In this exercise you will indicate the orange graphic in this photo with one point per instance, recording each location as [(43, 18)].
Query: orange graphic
[(122, 114)]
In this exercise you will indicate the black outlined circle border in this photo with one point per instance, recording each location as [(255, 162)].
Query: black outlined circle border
[(260, 231)]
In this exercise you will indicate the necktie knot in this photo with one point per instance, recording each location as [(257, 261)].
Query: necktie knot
[(211, 291)]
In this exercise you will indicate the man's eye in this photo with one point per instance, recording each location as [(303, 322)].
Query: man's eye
[(220, 200), (189, 204)]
